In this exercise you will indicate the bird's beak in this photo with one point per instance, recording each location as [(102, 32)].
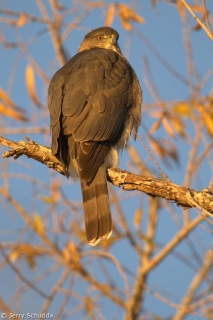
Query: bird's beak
[(113, 43)]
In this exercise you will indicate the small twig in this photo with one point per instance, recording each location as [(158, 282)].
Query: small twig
[(111, 258), (210, 35), (29, 16), (192, 155), (206, 16), (137, 296), (20, 275), (195, 284), (4, 307), (54, 29), (24, 130), (151, 156), (169, 247)]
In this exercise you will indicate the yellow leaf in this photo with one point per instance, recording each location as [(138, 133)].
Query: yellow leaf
[(9, 109), (22, 20), (14, 254), (149, 241), (11, 113), (209, 123), (178, 125), (30, 83), (66, 254), (137, 217), (38, 224), (183, 109), (26, 252), (49, 200), (110, 15), (107, 244), (4, 97)]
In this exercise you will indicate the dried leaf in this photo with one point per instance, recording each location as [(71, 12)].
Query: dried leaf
[(168, 127), (27, 252), (38, 224), (5, 98), (11, 113), (158, 150), (155, 126), (22, 20), (9, 109), (126, 15), (110, 15), (156, 114), (154, 3), (164, 149), (197, 27), (126, 24), (71, 253), (181, 9), (66, 254), (30, 83), (197, 8)]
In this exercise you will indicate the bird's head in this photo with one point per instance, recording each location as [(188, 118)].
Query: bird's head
[(104, 37)]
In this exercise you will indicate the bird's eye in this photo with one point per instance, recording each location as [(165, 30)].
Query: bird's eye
[(100, 37)]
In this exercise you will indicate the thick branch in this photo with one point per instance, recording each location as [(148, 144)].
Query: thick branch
[(182, 196)]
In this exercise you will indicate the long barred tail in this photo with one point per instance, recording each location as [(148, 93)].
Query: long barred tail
[(98, 221)]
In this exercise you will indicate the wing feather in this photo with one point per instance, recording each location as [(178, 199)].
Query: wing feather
[(88, 102)]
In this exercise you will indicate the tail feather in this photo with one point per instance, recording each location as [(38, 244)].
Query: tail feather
[(98, 221)]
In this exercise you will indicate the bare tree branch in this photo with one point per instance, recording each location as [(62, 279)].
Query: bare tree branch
[(182, 196), (209, 33), (196, 282)]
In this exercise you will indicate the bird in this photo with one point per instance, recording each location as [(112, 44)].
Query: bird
[(95, 103)]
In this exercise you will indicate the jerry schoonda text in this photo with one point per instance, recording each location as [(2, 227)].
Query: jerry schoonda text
[(28, 316)]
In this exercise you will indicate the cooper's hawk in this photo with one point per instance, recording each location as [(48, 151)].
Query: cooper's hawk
[(94, 103)]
